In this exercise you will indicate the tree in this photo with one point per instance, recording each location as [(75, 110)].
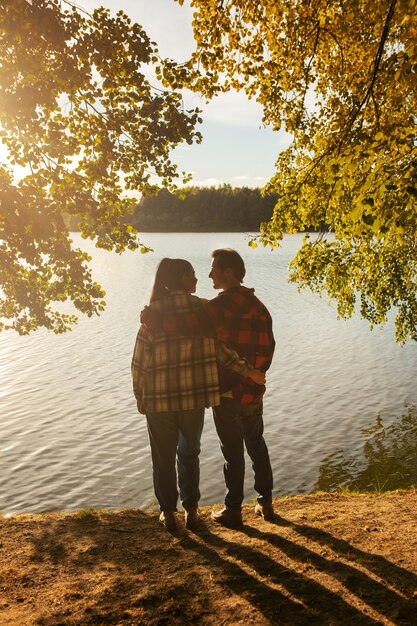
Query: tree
[(341, 77), (203, 209), (79, 114)]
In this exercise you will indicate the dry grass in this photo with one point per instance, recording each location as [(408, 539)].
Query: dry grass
[(327, 559)]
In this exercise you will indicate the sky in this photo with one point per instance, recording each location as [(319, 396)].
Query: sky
[(236, 148)]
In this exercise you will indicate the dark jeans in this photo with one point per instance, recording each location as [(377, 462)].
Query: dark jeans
[(176, 434), (237, 424)]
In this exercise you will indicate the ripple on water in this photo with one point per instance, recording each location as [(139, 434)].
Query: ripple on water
[(71, 435)]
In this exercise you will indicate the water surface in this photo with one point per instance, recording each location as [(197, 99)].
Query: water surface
[(339, 408)]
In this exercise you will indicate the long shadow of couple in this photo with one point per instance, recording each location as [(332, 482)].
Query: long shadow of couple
[(312, 578)]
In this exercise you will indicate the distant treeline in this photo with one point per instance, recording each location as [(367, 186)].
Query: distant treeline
[(200, 209), (204, 209)]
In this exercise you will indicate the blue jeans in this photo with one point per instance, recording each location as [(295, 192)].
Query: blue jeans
[(239, 424), (176, 435)]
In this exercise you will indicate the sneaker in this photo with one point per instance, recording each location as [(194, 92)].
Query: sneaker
[(232, 518), (266, 511), (168, 520), (192, 519)]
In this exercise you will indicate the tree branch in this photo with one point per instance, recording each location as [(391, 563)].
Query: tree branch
[(326, 30), (377, 62)]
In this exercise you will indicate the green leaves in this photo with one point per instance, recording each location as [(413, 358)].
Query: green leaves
[(79, 114), (341, 79)]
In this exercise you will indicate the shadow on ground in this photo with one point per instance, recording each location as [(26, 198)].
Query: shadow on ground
[(325, 560)]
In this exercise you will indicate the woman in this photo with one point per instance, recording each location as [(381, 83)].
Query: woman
[(174, 379)]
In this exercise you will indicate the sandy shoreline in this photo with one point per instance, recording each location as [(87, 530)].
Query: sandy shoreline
[(327, 559)]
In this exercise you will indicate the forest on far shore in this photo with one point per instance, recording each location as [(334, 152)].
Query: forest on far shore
[(200, 209), (204, 209)]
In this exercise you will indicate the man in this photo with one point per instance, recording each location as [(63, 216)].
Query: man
[(239, 319), (244, 324)]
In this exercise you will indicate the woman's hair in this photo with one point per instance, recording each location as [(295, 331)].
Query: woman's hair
[(168, 277)]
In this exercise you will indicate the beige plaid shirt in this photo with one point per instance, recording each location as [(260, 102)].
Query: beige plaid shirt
[(177, 373)]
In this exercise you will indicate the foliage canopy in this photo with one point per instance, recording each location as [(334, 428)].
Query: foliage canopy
[(77, 109), (79, 113), (341, 77)]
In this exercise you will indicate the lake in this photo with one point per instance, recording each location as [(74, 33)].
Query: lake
[(340, 408)]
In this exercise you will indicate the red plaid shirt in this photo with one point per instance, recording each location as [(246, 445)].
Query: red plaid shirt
[(239, 319)]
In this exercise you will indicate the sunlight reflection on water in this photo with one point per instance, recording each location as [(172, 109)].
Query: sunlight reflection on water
[(72, 437)]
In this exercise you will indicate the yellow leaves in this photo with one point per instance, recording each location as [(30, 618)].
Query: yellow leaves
[(356, 212), (376, 226), (112, 129), (321, 18)]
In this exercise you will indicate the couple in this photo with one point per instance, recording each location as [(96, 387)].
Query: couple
[(192, 353)]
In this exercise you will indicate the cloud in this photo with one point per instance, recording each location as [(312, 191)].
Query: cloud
[(232, 108), (251, 180), (207, 182), (166, 22)]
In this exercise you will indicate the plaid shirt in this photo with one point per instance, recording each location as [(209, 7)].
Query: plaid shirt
[(178, 373), (239, 319)]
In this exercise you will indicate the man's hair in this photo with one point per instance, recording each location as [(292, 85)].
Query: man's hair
[(226, 257)]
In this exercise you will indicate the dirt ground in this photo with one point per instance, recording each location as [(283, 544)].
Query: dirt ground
[(326, 559)]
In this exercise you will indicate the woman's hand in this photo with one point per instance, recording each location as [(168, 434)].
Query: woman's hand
[(257, 376), (144, 315)]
